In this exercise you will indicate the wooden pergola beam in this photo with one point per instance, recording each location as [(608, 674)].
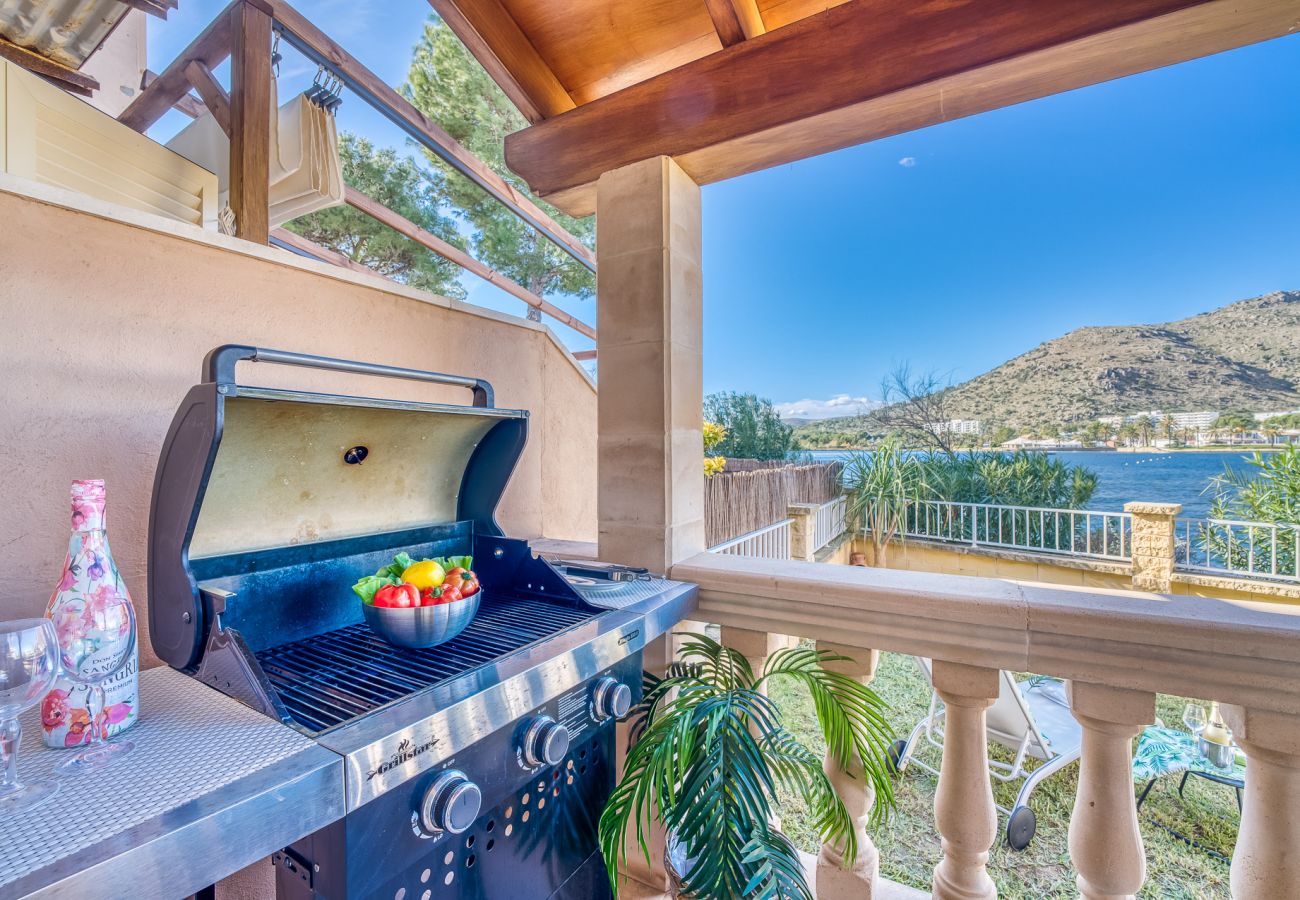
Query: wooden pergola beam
[(214, 95), (735, 20), (69, 79), (853, 74), (430, 241), (250, 121), (725, 21), (187, 104), (211, 48), (494, 37), (314, 44), (324, 254)]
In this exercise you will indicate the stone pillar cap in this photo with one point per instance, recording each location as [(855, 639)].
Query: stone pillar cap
[(1153, 509)]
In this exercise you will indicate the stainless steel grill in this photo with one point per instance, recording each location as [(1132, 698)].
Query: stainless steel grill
[(270, 503), (326, 680)]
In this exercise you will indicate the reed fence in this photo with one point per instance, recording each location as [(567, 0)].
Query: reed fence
[(737, 502)]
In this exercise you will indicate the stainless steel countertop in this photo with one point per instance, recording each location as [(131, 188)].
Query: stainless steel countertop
[(210, 788)]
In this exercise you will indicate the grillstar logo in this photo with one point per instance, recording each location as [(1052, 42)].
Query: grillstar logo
[(406, 751)]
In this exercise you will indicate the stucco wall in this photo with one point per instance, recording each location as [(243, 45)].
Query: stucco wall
[(105, 317)]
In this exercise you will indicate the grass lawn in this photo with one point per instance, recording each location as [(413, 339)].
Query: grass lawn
[(909, 844)]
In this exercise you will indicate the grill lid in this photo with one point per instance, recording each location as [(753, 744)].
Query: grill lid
[(247, 469)]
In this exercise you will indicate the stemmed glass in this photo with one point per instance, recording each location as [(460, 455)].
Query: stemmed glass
[(96, 636), (1194, 718), (29, 663)]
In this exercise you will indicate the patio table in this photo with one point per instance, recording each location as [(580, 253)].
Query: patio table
[(211, 787), (1164, 751)]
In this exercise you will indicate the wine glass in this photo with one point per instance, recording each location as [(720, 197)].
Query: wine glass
[(1194, 718), (96, 635), (29, 663)]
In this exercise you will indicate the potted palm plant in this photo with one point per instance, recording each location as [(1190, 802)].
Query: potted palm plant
[(709, 753)]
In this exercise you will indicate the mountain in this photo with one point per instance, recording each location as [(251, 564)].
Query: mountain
[(1245, 355)]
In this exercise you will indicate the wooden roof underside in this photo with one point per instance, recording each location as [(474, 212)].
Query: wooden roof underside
[(733, 86)]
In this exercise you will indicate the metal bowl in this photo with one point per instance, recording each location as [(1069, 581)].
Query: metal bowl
[(422, 626), (1219, 755)]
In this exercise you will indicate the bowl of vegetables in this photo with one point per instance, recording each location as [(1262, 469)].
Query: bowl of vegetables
[(420, 603)]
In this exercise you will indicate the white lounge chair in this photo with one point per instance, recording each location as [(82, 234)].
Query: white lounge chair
[(1031, 717)]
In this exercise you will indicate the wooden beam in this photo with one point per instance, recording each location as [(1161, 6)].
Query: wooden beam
[(250, 121), (751, 20), (406, 227), (188, 104), (211, 48), (725, 21), (324, 254), (214, 95), (68, 79), (494, 37), (853, 74), (314, 44), (157, 8), (584, 354)]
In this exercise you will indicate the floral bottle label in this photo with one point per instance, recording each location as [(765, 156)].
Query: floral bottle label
[(90, 582)]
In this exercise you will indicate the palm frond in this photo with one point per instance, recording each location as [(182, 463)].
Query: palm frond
[(850, 714)]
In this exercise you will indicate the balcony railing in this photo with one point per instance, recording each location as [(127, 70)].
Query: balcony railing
[(1235, 548), (1071, 532), (769, 542), (829, 522), (1117, 649)]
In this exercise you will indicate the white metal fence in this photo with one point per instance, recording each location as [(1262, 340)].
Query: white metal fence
[(828, 522), (771, 542), (1231, 547), (1070, 532)]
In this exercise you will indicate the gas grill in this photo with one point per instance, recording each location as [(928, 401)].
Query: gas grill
[(477, 768)]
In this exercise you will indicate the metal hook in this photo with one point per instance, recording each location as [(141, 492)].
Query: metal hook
[(275, 52)]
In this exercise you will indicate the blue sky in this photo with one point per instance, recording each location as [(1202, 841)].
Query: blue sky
[(960, 246)]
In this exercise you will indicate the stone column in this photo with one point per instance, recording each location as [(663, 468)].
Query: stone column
[(834, 881), (650, 451), (1153, 545), (803, 543), (650, 457), (1105, 843), (964, 812), (1266, 862)]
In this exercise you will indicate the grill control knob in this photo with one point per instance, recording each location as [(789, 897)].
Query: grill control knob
[(611, 699), (451, 803), (545, 742)]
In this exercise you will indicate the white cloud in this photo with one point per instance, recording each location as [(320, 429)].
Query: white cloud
[(839, 405), (907, 162)]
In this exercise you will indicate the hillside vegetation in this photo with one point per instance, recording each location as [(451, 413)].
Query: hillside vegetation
[(1244, 355)]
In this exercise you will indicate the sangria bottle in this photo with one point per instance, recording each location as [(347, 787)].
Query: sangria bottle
[(90, 581)]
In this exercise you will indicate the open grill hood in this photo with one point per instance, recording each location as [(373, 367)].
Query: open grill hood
[(255, 481)]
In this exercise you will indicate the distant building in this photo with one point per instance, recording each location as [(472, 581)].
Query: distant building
[(961, 426), (1264, 416)]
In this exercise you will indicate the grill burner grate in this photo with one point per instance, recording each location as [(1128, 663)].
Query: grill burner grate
[(331, 678)]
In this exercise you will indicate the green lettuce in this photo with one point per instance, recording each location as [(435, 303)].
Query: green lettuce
[(368, 586)]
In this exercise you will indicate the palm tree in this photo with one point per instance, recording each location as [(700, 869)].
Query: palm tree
[(1271, 432), (881, 486), (710, 751), (1167, 427)]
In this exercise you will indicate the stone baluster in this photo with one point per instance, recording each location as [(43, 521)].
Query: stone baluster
[(755, 646), (1266, 863), (1105, 843), (964, 812), (834, 881)]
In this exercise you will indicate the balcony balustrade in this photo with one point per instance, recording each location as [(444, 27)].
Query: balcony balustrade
[(1116, 649)]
